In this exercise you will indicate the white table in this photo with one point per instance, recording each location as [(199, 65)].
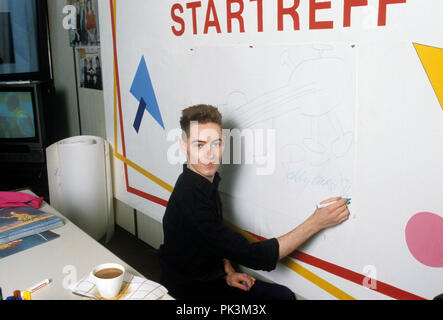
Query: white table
[(70, 257)]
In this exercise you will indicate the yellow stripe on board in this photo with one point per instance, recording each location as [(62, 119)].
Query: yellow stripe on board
[(302, 271), (115, 10), (115, 115), (308, 275), (147, 174)]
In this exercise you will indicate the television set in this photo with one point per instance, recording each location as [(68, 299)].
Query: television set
[(24, 41), (23, 122)]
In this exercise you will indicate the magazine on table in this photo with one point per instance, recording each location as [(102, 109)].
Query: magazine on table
[(19, 222)]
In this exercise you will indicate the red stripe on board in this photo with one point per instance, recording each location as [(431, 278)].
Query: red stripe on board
[(148, 196), (114, 43), (350, 275), (355, 277)]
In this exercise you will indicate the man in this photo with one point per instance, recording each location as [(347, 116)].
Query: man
[(98, 74), (21, 122), (198, 247)]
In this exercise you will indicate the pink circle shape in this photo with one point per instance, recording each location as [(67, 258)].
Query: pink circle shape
[(424, 236)]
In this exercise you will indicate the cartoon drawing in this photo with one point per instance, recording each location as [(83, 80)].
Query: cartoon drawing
[(306, 93)]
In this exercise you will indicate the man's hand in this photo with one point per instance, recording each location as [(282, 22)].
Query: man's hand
[(322, 218), (242, 281), (331, 215)]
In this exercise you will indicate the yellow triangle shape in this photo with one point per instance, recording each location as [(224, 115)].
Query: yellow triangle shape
[(432, 60)]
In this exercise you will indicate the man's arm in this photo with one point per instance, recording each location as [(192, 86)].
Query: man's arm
[(229, 269), (216, 237), (320, 219)]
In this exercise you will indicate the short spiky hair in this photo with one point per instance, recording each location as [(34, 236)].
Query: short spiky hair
[(203, 113)]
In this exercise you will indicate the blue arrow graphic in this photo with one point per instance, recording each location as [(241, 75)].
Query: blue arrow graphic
[(143, 91)]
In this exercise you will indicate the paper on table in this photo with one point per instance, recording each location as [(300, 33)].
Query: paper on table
[(133, 288)]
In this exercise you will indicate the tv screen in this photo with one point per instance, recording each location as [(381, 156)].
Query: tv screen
[(24, 53), (7, 55), (17, 118)]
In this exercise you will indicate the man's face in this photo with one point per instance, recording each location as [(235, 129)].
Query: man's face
[(12, 102), (204, 148)]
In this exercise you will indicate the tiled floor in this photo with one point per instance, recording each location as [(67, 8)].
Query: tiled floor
[(136, 253)]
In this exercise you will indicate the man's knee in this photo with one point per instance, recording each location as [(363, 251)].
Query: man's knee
[(284, 293), (272, 291)]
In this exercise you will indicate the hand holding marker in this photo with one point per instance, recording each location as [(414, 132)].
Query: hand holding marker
[(319, 206)]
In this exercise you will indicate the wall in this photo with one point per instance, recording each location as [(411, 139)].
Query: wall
[(81, 111), (63, 70)]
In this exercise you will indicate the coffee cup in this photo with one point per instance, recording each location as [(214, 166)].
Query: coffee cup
[(108, 279)]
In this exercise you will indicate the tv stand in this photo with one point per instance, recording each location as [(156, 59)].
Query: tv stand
[(31, 155), (25, 175)]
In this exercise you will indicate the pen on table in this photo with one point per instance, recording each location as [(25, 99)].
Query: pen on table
[(39, 285), (319, 206)]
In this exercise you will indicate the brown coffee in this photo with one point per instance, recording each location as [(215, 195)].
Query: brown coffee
[(108, 273)]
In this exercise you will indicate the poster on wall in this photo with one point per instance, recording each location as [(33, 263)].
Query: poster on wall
[(88, 62), (86, 32)]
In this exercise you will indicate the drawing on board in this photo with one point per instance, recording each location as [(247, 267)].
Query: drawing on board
[(306, 94), (316, 98)]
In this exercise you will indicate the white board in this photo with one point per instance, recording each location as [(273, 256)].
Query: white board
[(353, 112)]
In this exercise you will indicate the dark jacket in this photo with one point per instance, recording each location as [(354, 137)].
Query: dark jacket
[(196, 240)]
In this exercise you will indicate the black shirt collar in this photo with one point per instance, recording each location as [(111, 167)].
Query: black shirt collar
[(200, 180)]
